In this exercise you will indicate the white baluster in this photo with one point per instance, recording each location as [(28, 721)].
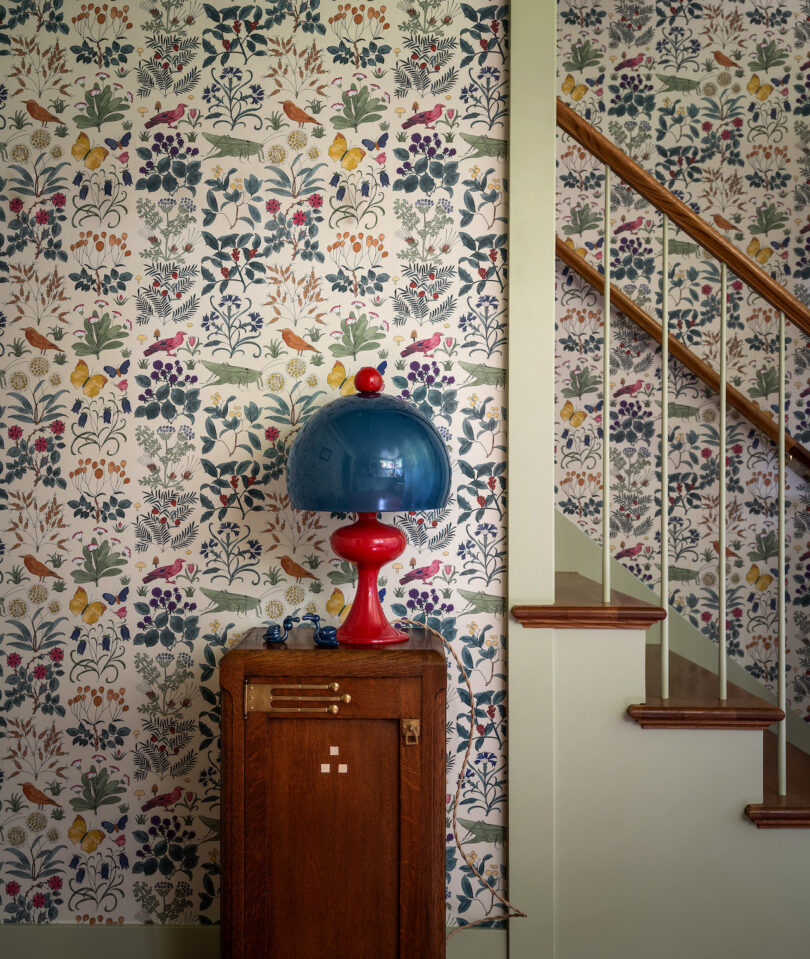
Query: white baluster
[(781, 762), (721, 588), (665, 456), (606, 403)]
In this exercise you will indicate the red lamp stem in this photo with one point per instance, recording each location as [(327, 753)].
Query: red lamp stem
[(369, 544)]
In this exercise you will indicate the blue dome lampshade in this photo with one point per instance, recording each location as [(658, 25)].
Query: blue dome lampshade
[(366, 454)]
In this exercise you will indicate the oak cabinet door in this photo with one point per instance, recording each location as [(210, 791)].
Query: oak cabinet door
[(332, 827), (322, 838)]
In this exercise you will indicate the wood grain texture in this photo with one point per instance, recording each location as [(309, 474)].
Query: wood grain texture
[(578, 605), (782, 812), (692, 224), (693, 702), (759, 418), (328, 867), (350, 864)]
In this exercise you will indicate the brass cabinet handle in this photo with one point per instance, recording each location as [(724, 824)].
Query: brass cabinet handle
[(260, 697)]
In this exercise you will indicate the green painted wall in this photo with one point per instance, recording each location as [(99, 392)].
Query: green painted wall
[(532, 141)]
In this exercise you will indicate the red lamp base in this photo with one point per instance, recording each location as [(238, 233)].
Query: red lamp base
[(369, 544)]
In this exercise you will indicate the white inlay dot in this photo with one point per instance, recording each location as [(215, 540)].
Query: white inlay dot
[(334, 750), (343, 768), (326, 768)]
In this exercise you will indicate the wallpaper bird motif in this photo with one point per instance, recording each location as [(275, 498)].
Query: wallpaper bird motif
[(710, 98), (212, 216)]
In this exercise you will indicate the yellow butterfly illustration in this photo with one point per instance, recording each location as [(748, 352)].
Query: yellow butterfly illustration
[(93, 156), (89, 612), (82, 380), (760, 581), (574, 417), (577, 90), (336, 605), (761, 253), (579, 250), (341, 153), (79, 833), (337, 379), (762, 90)]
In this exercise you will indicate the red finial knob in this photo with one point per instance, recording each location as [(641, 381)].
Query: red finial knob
[(368, 380)]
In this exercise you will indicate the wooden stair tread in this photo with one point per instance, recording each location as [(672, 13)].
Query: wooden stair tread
[(693, 702), (782, 812), (578, 605)]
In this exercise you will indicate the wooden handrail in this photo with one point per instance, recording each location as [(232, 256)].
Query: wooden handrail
[(683, 354), (695, 226)]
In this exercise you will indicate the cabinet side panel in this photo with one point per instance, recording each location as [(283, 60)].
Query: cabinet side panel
[(232, 888), (433, 799), (255, 890)]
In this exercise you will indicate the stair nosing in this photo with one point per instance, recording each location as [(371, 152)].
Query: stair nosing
[(678, 712), (579, 605)]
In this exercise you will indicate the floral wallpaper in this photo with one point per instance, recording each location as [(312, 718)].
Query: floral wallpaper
[(712, 99), (212, 216)]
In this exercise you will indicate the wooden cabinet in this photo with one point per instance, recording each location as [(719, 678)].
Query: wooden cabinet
[(333, 800)]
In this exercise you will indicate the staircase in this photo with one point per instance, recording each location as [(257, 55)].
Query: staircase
[(679, 694), (652, 855)]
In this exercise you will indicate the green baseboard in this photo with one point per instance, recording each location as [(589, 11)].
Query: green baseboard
[(123, 942), (179, 942)]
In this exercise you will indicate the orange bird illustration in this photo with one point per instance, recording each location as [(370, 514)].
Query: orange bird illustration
[(291, 568), (40, 342), (723, 223), (723, 60), (33, 565), (296, 114), (295, 342), (32, 794), (729, 551), (37, 112)]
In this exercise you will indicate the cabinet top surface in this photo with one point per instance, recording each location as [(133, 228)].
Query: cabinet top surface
[(420, 647)]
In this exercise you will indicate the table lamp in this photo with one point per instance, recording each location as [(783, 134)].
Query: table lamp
[(367, 454)]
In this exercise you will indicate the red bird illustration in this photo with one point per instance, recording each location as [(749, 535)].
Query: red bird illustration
[(422, 572), (423, 346), (164, 572), (166, 346), (629, 390), (630, 227), (169, 117), (631, 63), (428, 117), (165, 800), (630, 553)]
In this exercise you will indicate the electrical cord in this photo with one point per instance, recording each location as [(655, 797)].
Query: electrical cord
[(512, 912)]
